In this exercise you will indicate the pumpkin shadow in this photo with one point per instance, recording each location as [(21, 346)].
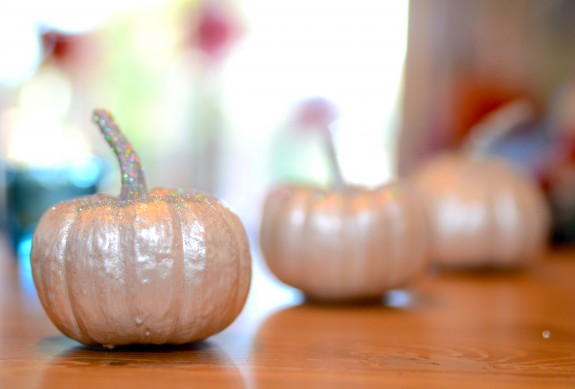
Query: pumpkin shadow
[(396, 299), (487, 271), (152, 365)]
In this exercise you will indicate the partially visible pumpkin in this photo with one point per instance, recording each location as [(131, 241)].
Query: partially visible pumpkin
[(155, 267), (483, 211), (346, 244)]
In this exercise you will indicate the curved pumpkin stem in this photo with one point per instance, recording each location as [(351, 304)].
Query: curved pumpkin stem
[(133, 178), (335, 167), (497, 124)]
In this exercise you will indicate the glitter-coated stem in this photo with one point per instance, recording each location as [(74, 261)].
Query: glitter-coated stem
[(133, 178)]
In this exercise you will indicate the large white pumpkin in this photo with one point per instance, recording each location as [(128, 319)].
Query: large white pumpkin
[(156, 267)]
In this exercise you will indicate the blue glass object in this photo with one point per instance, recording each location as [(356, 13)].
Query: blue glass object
[(23, 255), (30, 191)]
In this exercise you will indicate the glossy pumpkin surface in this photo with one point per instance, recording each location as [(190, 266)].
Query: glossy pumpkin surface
[(164, 266), (343, 244)]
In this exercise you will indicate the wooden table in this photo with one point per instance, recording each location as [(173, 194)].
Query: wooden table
[(452, 330)]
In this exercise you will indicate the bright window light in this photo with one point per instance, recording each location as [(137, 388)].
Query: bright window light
[(21, 23), (19, 45), (351, 52)]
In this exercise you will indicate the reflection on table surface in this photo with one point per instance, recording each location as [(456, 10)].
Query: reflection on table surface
[(452, 329)]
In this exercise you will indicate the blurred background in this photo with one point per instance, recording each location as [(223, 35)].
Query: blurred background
[(208, 92)]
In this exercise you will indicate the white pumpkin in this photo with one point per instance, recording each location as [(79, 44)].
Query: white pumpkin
[(343, 243), (483, 211), (156, 267), (346, 244)]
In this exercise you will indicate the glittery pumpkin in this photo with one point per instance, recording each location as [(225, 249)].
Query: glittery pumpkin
[(158, 267), (346, 243)]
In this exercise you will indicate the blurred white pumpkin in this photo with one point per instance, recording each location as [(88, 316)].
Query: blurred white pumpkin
[(483, 211), (345, 244)]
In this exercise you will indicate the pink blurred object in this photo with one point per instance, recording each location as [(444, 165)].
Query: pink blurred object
[(78, 55), (216, 31), (316, 113)]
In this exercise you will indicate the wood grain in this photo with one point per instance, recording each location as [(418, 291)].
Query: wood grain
[(496, 330)]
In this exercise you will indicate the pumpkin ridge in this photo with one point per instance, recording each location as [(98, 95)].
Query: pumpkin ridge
[(493, 235), (371, 233), (535, 232), (237, 259), (200, 299), (269, 232), (106, 265), (345, 213), (217, 212), (42, 283), (341, 209), (402, 210), (413, 207), (379, 236), (191, 268), (178, 271), (130, 267), (79, 322), (285, 206), (309, 205), (388, 235), (385, 223), (498, 228), (152, 322)]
